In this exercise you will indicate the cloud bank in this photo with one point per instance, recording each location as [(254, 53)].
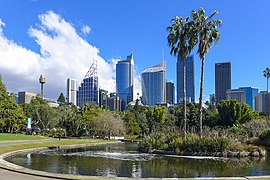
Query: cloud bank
[(63, 54)]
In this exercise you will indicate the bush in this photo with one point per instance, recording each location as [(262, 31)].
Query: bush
[(265, 136), (161, 140), (194, 143), (54, 132)]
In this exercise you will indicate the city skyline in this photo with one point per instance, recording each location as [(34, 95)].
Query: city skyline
[(190, 80), (59, 39), (125, 80)]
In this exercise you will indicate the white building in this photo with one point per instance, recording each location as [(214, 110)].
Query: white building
[(72, 91), (154, 85)]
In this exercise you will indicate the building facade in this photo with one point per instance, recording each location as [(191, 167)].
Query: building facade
[(262, 102), (88, 91), (72, 91), (222, 80), (170, 92), (190, 80), (103, 98), (114, 102), (25, 97), (153, 85), (251, 93), (237, 94), (125, 80)]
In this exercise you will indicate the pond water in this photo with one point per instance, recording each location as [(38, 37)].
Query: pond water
[(123, 160)]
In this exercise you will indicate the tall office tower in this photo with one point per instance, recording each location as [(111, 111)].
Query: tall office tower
[(190, 80), (237, 94), (114, 102), (72, 91), (262, 102), (25, 97), (170, 92), (125, 80), (222, 80), (103, 98), (251, 93), (153, 85), (88, 89)]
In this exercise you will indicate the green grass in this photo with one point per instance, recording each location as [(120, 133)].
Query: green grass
[(63, 142), (18, 137)]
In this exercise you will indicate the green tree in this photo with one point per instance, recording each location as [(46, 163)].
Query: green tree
[(71, 120), (132, 126), (43, 116), (181, 40), (207, 35), (266, 74), (155, 117), (232, 112), (12, 118), (61, 99)]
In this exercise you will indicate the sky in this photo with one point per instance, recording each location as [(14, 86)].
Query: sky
[(60, 39)]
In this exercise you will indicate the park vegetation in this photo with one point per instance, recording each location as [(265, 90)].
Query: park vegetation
[(194, 128), (229, 127)]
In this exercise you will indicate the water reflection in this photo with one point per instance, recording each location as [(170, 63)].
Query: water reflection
[(122, 160)]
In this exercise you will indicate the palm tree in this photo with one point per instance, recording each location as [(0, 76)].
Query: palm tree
[(182, 39), (207, 35), (266, 74)]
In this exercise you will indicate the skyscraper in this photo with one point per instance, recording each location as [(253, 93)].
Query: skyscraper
[(72, 91), (222, 80), (262, 102), (190, 80), (25, 97), (125, 80), (251, 93), (170, 92), (237, 94), (153, 85), (88, 89)]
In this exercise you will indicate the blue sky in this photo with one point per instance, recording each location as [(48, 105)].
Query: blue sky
[(119, 27)]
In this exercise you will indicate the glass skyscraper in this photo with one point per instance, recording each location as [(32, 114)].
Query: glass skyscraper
[(125, 80), (88, 91), (190, 80), (251, 93), (154, 85), (170, 92), (222, 80)]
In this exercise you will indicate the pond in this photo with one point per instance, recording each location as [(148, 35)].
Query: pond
[(123, 160)]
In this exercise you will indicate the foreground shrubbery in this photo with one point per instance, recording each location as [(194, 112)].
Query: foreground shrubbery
[(213, 145), (194, 143), (170, 141)]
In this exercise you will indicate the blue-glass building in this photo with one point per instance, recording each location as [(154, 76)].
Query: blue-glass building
[(88, 91), (154, 85), (190, 80), (251, 93), (125, 80)]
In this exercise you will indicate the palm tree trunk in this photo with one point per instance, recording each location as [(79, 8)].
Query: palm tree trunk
[(267, 83), (201, 96), (184, 100)]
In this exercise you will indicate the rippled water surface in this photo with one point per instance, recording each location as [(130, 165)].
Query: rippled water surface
[(123, 160)]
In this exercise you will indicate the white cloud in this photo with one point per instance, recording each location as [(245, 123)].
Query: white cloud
[(63, 54), (86, 29)]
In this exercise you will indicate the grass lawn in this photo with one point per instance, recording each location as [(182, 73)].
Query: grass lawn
[(19, 137), (52, 143)]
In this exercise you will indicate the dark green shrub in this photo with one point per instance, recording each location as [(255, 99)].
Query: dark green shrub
[(194, 143), (265, 136)]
